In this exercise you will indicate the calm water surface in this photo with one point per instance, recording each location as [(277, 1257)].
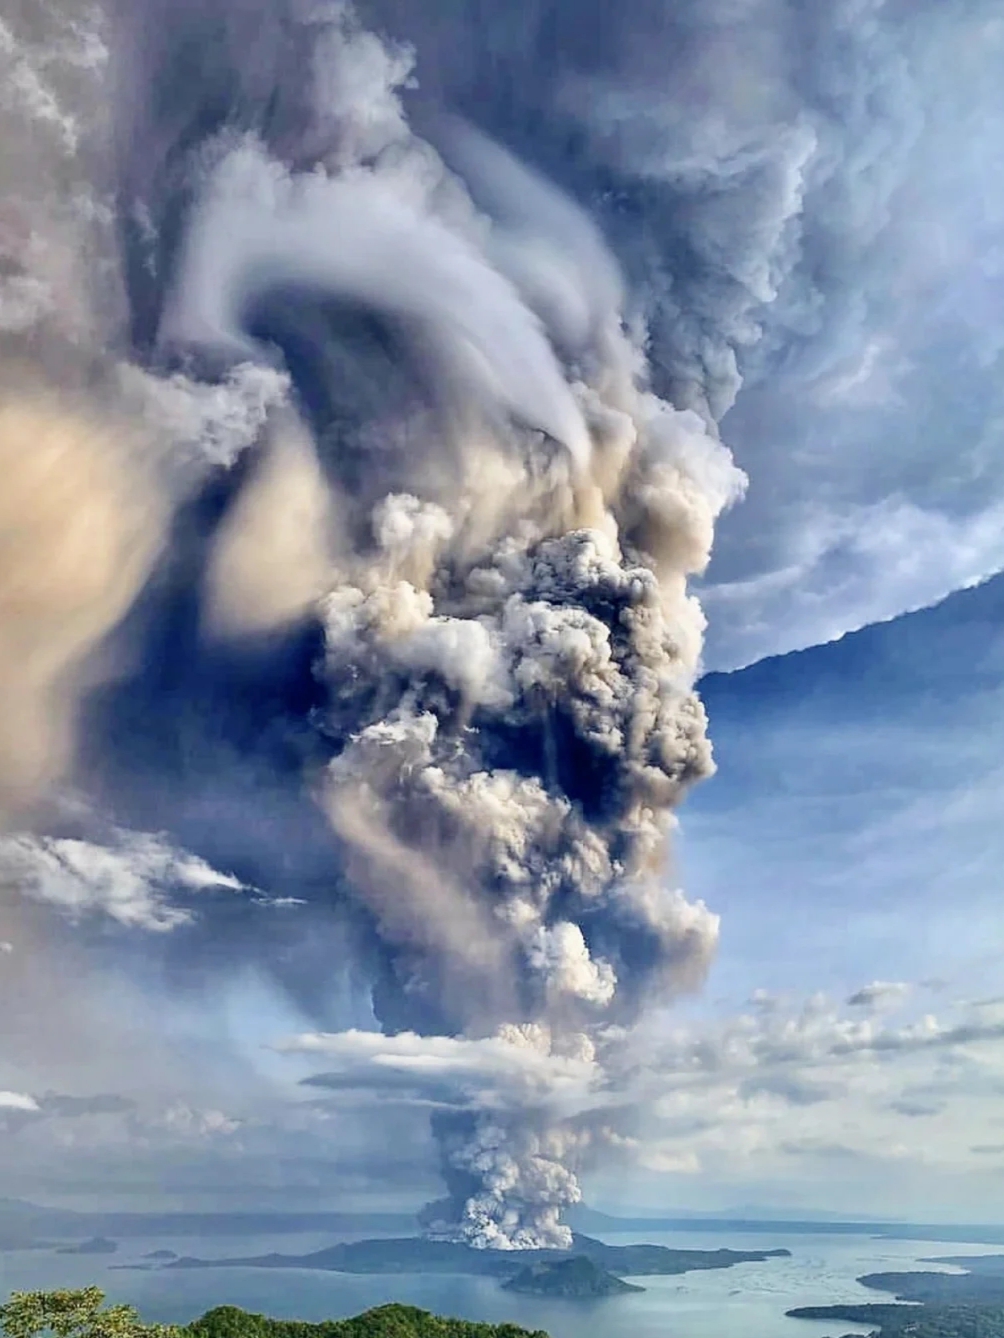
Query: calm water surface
[(747, 1301)]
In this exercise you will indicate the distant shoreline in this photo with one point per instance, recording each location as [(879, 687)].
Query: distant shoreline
[(927, 1305), (28, 1226)]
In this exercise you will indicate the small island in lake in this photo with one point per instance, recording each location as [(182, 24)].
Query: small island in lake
[(577, 1278), (417, 1254), (148, 1262), (96, 1245)]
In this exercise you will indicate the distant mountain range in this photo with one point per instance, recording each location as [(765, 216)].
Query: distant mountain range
[(589, 1219), (747, 1212), (23, 1225)]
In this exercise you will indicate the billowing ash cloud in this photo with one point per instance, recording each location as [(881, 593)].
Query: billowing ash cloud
[(803, 202), (478, 500), (94, 453), (478, 503), (392, 346), (508, 644), (511, 1113), (77, 543)]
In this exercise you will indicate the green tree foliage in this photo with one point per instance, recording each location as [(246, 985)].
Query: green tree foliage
[(388, 1321), (83, 1314), (924, 1321), (74, 1314)]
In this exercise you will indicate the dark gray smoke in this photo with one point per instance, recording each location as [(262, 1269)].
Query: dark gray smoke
[(408, 330)]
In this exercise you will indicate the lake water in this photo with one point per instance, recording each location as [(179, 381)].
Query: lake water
[(747, 1301)]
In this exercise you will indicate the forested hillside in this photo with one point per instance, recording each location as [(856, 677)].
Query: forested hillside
[(388, 1321), (83, 1314)]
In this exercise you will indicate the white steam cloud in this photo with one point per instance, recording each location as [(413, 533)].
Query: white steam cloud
[(370, 238), (133, 881)]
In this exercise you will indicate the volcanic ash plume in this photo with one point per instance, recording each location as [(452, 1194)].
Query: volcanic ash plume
[(514, 721), (80, 522), (86, 435), (78, 535), (473, 495), (509, 645)]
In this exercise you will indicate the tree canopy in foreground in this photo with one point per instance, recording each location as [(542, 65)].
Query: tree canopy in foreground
[(83, 1314)]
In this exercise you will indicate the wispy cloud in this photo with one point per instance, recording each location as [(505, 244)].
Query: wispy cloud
[(17, 1101), (138, 880), (517, 1069), (879, 994), (809, 1080)]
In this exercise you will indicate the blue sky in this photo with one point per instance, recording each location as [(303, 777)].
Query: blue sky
[(852, 839), (853, 830)]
